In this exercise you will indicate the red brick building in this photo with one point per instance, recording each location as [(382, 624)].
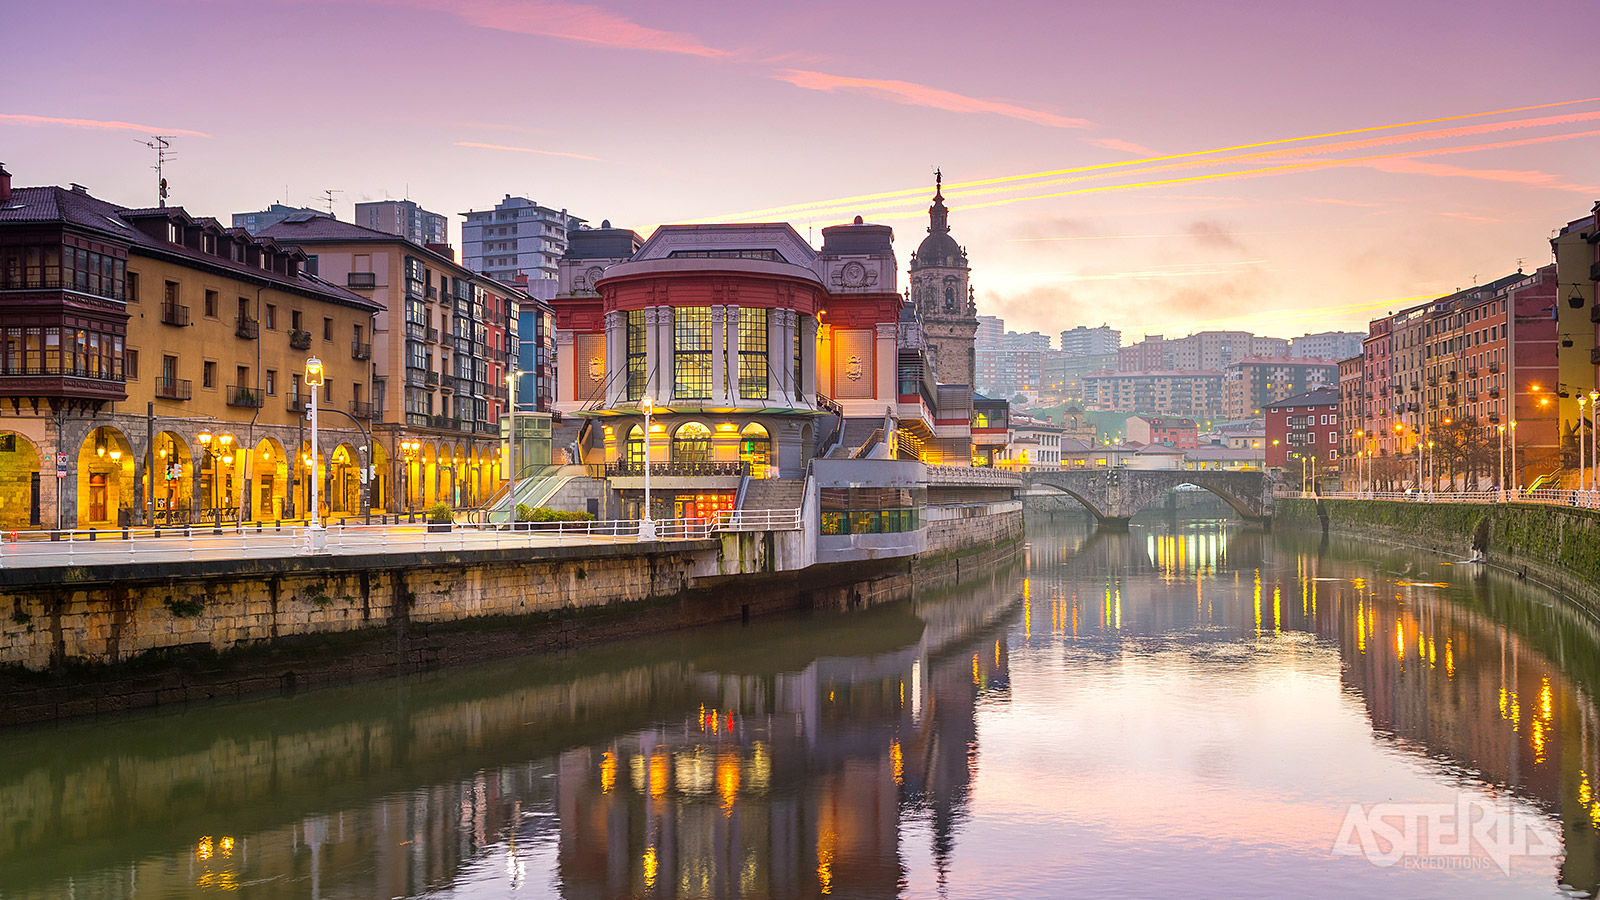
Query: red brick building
[(1305, 425)]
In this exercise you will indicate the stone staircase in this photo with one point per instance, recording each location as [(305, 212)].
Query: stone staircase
[(774, 493)]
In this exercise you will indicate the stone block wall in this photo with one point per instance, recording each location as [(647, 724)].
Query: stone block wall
[(1558, 545)]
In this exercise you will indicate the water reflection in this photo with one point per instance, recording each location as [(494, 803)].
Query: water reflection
[(1183, 707)]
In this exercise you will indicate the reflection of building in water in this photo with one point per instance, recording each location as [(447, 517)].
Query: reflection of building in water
[(791, 784)]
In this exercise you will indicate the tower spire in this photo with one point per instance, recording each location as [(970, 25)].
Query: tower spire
[(938, 216)]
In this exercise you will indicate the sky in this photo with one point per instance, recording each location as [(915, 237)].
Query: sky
[(1162, 167)]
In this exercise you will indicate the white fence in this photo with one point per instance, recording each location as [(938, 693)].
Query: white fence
[(82, 548), (1579, 499)]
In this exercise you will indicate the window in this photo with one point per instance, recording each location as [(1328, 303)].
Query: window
[(636, 354), (635, 446), (270, 317), (692, 443), (211, 304), (241, 376), (799, 361), (270, 384), (130, 364), (133, 287), (691, 351), (208, 374), (294, 320), (172, 292), (752, 353), (327, 389), (327, 329)]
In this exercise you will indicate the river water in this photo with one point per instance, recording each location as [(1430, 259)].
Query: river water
[(1187, 709)]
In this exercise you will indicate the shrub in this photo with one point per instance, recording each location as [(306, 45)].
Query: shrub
[(524, 512), (441, 514), (544, 514)]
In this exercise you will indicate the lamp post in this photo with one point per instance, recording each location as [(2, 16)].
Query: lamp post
[(1516, 483), (647, 526), (316, 541), (1594, 440), (1501, 480), (1433, 482), (511, 444), (1578, 434), (409, 450)]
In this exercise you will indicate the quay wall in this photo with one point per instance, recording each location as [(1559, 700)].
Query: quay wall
[(1558, 546), (112, 638)]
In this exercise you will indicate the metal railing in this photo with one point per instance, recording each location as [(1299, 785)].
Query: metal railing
[(359, 350), (231, 540), (174, 388), (300, 339), (361, 279), (174, 314), (684, 468), (247, 328), (243, 395), (1580, 499)]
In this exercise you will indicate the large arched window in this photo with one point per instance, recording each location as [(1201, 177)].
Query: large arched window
[(755, 448), (635, 446), (692, 443)]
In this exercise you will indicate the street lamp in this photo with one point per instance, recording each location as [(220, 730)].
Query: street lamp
[(1516, 482), (410, 449), (647, 527), (1502, 473), (1578, 434), (1594, 440), (511, 443), (315, 540)]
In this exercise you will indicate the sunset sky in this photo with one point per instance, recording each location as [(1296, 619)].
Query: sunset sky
[(1164, 167)]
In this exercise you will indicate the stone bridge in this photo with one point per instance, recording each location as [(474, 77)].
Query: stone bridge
[(1114, 495)]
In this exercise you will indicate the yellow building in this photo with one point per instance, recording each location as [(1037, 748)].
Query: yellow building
[(154, 363), (441, 340)]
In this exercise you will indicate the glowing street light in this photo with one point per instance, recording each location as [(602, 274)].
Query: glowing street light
[(316, 541), (647, 527)]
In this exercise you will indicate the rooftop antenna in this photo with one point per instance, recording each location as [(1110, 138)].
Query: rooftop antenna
[(162, 145), (327, 197)]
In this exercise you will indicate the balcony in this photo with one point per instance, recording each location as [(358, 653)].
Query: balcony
[(415, 330), (1472, 396), (1594, 357), (174, 388), (433, 335), (677, 469), (300, 340), (359, 350), (1594, 271), (361, 409), (247, 328), (174, 314), (1494, 368), (431, 293), (1451, 376), (1450, 398), (1472, 373), (242, 395), (361, 280), (416, 377), (430, 378), (1494, 416), (448, 383), (297, 402), (1494, 393)]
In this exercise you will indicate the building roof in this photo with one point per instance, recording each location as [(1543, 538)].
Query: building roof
[(51, 204), (307, 229), (1319, 397)]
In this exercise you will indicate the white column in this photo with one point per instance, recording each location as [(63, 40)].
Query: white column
[(780, 355), (658, 361), (810, 380), (566, 386), (730, 348), (616, 358), (888, 361), (719, 368)]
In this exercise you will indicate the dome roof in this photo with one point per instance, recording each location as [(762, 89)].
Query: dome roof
[(940, 249)]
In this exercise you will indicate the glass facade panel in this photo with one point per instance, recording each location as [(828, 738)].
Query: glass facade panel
[(753, 353), (691, 352), (636, 354)]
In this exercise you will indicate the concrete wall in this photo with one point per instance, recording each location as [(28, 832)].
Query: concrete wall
[(1556, 545)]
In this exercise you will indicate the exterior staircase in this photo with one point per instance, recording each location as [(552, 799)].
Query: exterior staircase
[(774, 493)]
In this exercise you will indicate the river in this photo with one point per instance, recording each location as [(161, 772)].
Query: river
[(1190, 708)]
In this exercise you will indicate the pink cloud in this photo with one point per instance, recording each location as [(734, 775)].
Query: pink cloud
[(1528, 177), (97, 123), (568, 21), (1124, 146), (913, 94), (526, 150), (1335, 201)]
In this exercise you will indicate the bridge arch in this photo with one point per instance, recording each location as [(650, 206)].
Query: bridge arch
[(1115, 495)]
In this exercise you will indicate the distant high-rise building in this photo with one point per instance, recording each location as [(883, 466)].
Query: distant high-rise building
[(1083, 341), (272, 215), (991, 333), (1328, 344), (406, 219), (1032, 341), (518, 237), (1147, 355)]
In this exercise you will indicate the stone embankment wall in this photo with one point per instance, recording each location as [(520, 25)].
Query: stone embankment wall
[(130, 636), (1556, 545)]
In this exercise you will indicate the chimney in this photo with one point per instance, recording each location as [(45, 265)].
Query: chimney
[(5, 184), (78, 188)]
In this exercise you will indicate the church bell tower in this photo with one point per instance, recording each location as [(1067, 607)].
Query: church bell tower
[(939, 288)]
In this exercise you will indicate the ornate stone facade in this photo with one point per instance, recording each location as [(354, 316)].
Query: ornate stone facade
[(940, 290)]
